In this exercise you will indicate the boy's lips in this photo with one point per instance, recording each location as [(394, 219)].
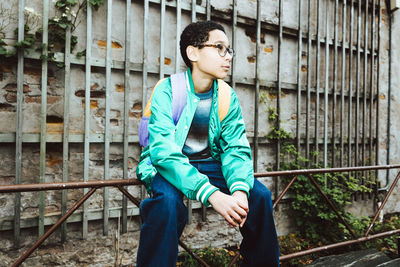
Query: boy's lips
[(226, 67)]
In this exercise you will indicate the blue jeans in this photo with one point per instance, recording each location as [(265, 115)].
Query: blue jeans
[(164, 217)]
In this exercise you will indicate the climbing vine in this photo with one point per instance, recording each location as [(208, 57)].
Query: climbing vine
[(68, 12), (311, 212)]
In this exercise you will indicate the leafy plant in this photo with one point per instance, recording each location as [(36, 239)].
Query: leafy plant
[(215, 257), (311, 212), (4, 51), (68, 11)]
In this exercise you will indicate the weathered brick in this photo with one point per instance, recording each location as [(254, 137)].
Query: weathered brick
[(11, 97), (7, 107)]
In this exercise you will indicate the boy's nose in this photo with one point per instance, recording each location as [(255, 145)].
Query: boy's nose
[(229, 57)]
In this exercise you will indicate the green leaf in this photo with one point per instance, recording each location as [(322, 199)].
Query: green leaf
[(3, 51), (60, 3), (81, 53), (72, 2)]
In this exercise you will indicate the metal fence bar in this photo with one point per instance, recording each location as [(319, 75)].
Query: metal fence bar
[(308, 98), (145, 68), (43, 114), (372, 83), (317, 77), (189, 201), (343, 84), (67, 185), (299, 54), (127, 88), (365, 70), (18, 130), (326, 91), (377, 132), (371, 96), (208, 10), (350, 98), (87, 114), (193, 10), (389, 94), (279, 87), (366, 13), (162, 41), (329, 170), (145, 44), (257, 86), (357, 111), (335, 82), (106, 193), (67, 91), (234, 41), (178, 30)]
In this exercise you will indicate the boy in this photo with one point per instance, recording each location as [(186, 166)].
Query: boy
[(205, 156)]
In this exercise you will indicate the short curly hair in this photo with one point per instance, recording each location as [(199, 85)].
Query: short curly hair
[(196, 34)]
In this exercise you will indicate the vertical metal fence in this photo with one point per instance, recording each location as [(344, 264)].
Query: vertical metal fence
[(347, 75)]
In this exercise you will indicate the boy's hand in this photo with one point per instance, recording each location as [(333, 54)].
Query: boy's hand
[(241, 196), (231, 208)]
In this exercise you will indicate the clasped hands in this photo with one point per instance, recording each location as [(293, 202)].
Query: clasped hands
[(233, 208)]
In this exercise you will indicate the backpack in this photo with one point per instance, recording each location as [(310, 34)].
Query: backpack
[(179, 95)]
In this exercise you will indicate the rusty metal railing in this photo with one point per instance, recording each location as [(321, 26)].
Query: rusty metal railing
[(94, 185), (308, 173)]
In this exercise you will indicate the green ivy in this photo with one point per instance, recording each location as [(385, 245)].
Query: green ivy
[(69, 11), (4, 51), (312, 214), (96, 3), (214, 257)]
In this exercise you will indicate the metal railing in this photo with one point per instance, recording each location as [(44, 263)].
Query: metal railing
[(309, 174), (94, 185)]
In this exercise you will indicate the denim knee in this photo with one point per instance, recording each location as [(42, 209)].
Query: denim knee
[(168, 206), (260, 192)]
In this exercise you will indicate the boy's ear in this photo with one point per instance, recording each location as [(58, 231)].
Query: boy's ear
[(192, 53)]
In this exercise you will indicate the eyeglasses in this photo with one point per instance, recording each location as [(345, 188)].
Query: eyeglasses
[(222, 49)]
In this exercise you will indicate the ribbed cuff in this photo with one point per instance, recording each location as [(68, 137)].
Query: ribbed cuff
[(240, 186), (205, 192)]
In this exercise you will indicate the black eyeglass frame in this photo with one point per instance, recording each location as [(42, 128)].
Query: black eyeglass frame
[(219, 46)]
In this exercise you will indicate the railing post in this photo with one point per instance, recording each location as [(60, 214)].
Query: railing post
[(398, 246)]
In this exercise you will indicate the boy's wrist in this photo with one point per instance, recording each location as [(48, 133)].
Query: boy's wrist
[(240, 186), (204, 192), (239, 193)]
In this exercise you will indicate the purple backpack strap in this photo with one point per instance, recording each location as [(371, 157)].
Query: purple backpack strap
[(179, 93)]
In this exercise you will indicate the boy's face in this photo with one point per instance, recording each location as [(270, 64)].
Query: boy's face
[(208, 59)]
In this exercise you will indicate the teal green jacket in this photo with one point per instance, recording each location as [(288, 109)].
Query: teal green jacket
[(227, 141)]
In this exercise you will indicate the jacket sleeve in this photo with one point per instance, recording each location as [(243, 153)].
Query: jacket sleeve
[(237, 164), (167, 156)]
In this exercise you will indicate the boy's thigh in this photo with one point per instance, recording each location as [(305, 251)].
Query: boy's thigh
[(214, 173), (161, 187)]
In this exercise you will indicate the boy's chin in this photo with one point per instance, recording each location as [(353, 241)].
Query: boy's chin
[(221, 76)]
